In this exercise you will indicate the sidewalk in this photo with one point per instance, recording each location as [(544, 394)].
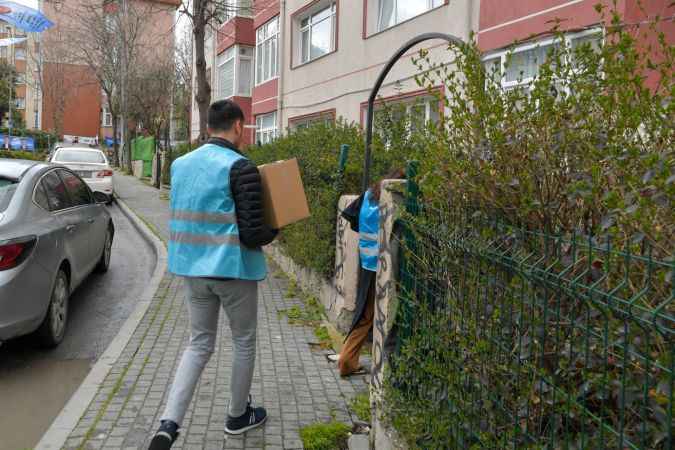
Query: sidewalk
[(295, 383)]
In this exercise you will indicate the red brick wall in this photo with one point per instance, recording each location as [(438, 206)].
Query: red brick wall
[(264, 11), (245, 104), (532, 17), (238, 30), (265, 97), (82, 99)]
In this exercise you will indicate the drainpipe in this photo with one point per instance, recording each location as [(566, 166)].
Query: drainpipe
[(282, 53)]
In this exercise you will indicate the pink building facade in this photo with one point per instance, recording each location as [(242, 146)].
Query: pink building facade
[(293, 63)]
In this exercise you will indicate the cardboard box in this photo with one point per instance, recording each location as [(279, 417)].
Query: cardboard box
[(284, 196)]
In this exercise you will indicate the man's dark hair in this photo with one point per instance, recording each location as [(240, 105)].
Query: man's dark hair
[(223, 114)]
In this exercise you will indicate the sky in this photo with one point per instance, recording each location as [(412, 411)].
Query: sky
[(31, 3)]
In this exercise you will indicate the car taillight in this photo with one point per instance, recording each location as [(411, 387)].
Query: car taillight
[(15, 252), (105, 173)]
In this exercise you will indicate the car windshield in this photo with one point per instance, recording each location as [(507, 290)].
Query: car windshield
[(7, 189), (79, 156)]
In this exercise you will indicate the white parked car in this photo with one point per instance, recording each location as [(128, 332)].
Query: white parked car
[(90, 164)]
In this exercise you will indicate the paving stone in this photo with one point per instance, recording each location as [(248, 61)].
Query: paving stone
[(294, 384)]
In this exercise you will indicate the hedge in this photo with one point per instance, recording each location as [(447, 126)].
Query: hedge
[(311, 243), (537, 299), (42, 138), (15, 154)]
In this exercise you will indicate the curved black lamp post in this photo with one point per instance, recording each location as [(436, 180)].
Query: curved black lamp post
[(378, 84)]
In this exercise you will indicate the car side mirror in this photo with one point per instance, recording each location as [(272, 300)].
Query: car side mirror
[(100, 197)]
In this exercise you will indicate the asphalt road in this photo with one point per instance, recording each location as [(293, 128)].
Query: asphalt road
[(35, 384)]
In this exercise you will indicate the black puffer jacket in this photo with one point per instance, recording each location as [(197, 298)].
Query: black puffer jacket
[(246, 189)]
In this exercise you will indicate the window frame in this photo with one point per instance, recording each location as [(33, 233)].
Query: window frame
[(18, 56), (233, 57), (308, 12), (90, 196), (504, 54), (20, 103), (307, 120), (46, 191), (106, 114), (377, 10), (262, 37), (259, 130), (234, 54)]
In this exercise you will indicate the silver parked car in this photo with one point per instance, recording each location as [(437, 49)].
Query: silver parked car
[(53, 233)]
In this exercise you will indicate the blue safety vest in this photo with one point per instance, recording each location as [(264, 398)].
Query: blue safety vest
[(369, 227), (204, 236)]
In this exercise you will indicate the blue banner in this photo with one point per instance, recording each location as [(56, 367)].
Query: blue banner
[(26, 144), (24, 18), (109, 142)]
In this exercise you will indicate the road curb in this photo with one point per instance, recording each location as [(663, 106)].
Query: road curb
[(56, 435)]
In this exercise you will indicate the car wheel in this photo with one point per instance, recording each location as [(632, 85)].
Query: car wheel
[(104, 262), (53, 327)]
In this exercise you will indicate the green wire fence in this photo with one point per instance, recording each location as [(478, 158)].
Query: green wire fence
[(510, 337)]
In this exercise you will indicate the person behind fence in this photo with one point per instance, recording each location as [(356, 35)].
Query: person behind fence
[(363, 216), (217, 229)]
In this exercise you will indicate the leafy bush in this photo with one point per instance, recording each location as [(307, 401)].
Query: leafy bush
[(42, 138), (311, 243), (537, 308), (174, 154), (325, 436), (15, 154), (360, 405)]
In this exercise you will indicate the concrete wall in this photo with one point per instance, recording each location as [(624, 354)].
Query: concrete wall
[(342, 80), (338, 296), (386, 306)]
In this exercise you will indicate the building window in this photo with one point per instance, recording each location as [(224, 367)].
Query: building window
[(317, 33), (20, 53), (3, 52), (517, 68), (392, 12), (265, 128), (20, 103), (402, 117), (20, 78), (225, 73), (107, 118), (299, 123), (235, 72), (229, 9), (245, 71), (267, 48)]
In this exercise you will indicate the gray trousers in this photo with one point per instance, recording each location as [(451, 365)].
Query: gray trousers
[(239, 299)]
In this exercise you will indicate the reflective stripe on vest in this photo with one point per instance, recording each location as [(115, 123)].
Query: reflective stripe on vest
[(203, 232), (369, 227)]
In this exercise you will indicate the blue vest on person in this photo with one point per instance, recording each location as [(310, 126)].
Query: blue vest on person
[(204, 236), (369, 228)]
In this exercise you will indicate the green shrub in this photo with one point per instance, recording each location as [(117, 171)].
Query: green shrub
[(541, 263), (325, 436), (42, 138), (311, 243), (360, 405), (15, 154)]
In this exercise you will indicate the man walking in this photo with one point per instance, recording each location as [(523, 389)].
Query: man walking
[(217, 228)]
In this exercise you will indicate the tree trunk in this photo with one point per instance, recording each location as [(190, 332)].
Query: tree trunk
[(116, 147), (203, 96), (158, 163)]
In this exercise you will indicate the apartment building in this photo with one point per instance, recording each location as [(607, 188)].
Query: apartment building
[(27, 100), (73, 104), (294, 62), (528, 22)]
